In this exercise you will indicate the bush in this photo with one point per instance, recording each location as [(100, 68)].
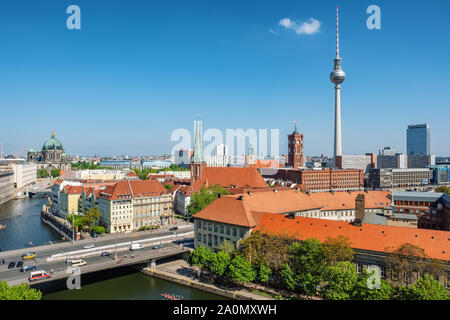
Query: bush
[(99, 229)]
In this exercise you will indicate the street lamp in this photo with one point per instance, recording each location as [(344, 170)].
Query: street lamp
[(73, 229)]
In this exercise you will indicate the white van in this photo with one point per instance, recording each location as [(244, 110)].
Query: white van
[(78, 263), (135, 246)]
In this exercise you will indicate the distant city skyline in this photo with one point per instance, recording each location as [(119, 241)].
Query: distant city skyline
[(131, 75)]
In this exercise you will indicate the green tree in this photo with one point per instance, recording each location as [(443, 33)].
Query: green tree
[(168, 186), (204, 197), (92, 216), (288, 277), (18, 292), (200, 257), (55, 173), (227, 246), (443, 189), (240, 270), (77, 221), (99, 229), (426, 288), (264, 272), (219, 263), (273, 249), (341, 279), (42, 173), (308, 264), (365, 292), (337, 249)]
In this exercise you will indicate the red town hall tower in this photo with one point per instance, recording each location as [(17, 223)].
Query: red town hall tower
[(295, 156)]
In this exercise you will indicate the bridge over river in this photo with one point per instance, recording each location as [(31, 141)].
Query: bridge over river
[(53, 257)]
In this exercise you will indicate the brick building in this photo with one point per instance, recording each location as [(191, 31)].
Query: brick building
[(319, 180)]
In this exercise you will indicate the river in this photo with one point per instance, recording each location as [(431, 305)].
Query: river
[(23, 226), (133, 286)]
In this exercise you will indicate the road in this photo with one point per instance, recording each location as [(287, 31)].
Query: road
[(54, 256)]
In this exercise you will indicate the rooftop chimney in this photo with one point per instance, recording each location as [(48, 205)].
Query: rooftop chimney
[(359, 209)]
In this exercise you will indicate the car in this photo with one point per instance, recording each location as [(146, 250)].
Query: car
[(89, 246), (173, 229), (39, 275), (135, 246), (19, 264), (29, 255), (78, 263), (11, 265), (69, 260), (158, 246), (27, 268), (105, 254), (94, 235)]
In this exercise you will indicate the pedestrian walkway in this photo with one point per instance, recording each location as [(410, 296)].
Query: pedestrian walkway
[(181, 272)]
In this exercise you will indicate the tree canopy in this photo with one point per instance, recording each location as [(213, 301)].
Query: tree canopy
[(204, 197), (18, 292)]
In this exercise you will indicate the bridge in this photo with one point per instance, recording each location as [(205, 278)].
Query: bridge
[(53, 257)]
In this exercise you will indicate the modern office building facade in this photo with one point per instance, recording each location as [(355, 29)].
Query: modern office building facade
[(6, 185), (421, 160), (418, 139), (399, 178), (24, 174), (359, 162)]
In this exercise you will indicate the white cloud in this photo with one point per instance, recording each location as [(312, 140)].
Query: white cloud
[(310, 27), (272, 31)]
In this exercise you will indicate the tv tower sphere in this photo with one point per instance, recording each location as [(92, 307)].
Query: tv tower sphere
[(337, 76)]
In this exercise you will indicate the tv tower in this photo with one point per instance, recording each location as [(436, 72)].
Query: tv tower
[(337, 76)]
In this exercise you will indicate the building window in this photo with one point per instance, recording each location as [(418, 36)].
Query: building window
[(227, 229), (215, 227), (216, 241), (383, 272), (204, 238), (221, 229), (199, 237), (234, 232), (209, 227), (221, 240), (241, 233), (204, 226), (359, 267)]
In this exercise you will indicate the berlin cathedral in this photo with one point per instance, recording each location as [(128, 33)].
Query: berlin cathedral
[(51, 156)]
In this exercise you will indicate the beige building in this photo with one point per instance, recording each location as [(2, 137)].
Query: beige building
[(69, 200), (24, 174), (6, 185), (131, 204)]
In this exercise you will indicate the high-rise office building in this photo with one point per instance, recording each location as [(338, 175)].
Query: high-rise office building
[(418, 139)]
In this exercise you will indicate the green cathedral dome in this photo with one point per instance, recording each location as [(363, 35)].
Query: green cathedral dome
[(52, 144)]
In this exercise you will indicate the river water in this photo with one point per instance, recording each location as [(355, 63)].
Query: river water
[(134, 286), (23, 225)]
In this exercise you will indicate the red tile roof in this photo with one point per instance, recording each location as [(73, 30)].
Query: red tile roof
[(346, 200), (229, 210), (230, 176), (128, 189), (367, 237)]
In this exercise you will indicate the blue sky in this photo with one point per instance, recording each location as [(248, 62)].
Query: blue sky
[(137, 70)]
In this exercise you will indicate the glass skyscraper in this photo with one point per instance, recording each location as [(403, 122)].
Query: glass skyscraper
[(418, 139)]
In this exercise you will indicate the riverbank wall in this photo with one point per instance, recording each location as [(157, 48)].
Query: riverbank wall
[(171, 272)]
